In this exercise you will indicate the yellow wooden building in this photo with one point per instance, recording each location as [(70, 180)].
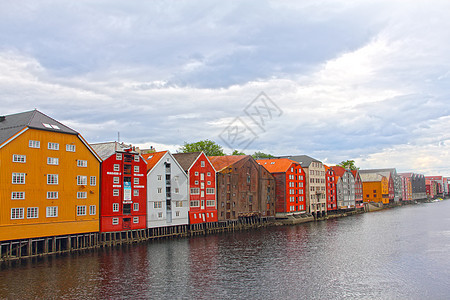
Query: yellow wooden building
[(49, 178), (375, 188)]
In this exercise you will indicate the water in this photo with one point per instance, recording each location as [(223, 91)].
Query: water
[(401, 253)]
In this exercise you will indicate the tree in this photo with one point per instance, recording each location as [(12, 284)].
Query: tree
[(348, 164), (209, 147), (236, 152), (261, 155)]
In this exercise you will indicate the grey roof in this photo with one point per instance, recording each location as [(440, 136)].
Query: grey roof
[(303, 160), (12, 124), (390, 170), (105, 150), (186, 159), (370, 177)]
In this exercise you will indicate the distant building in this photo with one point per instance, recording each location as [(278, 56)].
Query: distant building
[(48, 177), (123, 186), (244, 188), (330, 181), (359, 200), (395, 187), (290, 185), (375, 188), (345, 188), (202, 186), (407, 194), (167, 191), (439, 183)]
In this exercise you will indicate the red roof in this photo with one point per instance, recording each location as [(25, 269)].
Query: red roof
[(338, 170), (221, 162), (153, 158), (277, 165)]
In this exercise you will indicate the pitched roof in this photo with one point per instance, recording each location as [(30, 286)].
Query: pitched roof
[(153, 158), (380, 171), (371, 177), (12, 124), (384, 172), (186, 159), (221, 162), (303, 160), (338, 170), (276, 165), (105, 150)]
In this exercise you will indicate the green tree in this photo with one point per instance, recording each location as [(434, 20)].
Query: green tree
[(348, 164), (209, 147), (236, 152), (261, 155)]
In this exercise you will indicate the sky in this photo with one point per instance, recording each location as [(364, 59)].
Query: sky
[(335, 80)]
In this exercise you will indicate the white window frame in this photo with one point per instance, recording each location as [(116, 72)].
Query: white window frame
[(92, 210), (136, 157), (81, 195), (32, 212), (52, 146), (115, 192), (52, 195), (194, 203), (51, 211), (116, 167), (81, 180), (160, 215), (210, 202), (136, 180), (195, 191), (18, 178), (17, 195), (202, 163), (157, 204), (81, 163), (34, 144), (52, 161), (116, 180), (70, 148), (81, 210), (19, 158), (115, 221), (159, 190), (17, 213), (136, 169), (115, 207), (135, 192), (135, 206), (210, 191), (118, 156), (135, 220), (52, 179), (93, 180)]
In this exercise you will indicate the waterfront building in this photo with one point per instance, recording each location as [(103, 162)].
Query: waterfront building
[(407, 194), (432, 188), (48, 177), (330, 181), (202, 186), (167, 191), (418, 186), (244, 188), (446, 187), (375, 188), (345, 188), (358, 189), (290, 183), (123, 187), (395, 187), (316, 202), (439, 180)]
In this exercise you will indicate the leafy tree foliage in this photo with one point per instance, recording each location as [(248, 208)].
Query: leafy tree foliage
[(209, 147), (349, 164), (261, 155), (236, 152)]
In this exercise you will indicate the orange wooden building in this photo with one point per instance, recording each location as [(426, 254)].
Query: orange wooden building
[(49, 178), (375, 188)]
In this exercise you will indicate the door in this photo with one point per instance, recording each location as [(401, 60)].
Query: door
[(126, 223)]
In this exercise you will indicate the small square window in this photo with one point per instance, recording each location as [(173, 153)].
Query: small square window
[(118, 156), (53, 146), (135, 192), (115, 192), (115, 207), (92, 210), (70, 148), (116, 167), (135, 220), (136, 206), (136, 180), (115, 221), (136, 169), (116, 180)]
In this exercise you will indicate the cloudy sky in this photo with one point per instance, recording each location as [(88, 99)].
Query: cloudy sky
[(336, 80)]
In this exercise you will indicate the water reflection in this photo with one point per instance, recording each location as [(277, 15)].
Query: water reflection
[(399, 253)]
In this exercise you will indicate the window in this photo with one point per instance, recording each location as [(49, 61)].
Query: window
[(115, 192), (16, 213), (195, 191), (81, 210), (92, 210), (208, 174), (177, 213), (115, 207), (52, 195), (82, 163), (17, 195), (159, 177), (118, 156), (52, 161), (81, 195), (136, 180), (70, 148), (157, 204), (136, 157), (116, 180), (160, 215), (135, 192), (32, 212), (159, 190), (135, 220), (93, 181), (177, 190), (202, 176), (209, 191), (52, 211), (136, 206), (18, 178), (210, 203), (115, 221), (179, 203), (136, 169), (81, 180), (53, 146), (202, 163), (19, 158), (116, 167), (52, 178), (196, 173), (208, 183), (34, 144), (195, 203)]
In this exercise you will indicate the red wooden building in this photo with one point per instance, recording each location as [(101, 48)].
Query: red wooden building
[(202, 186), (290, 184), (359, 201), (123, 196), (330, 181)]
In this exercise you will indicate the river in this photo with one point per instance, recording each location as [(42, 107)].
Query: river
[(401, 253)]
